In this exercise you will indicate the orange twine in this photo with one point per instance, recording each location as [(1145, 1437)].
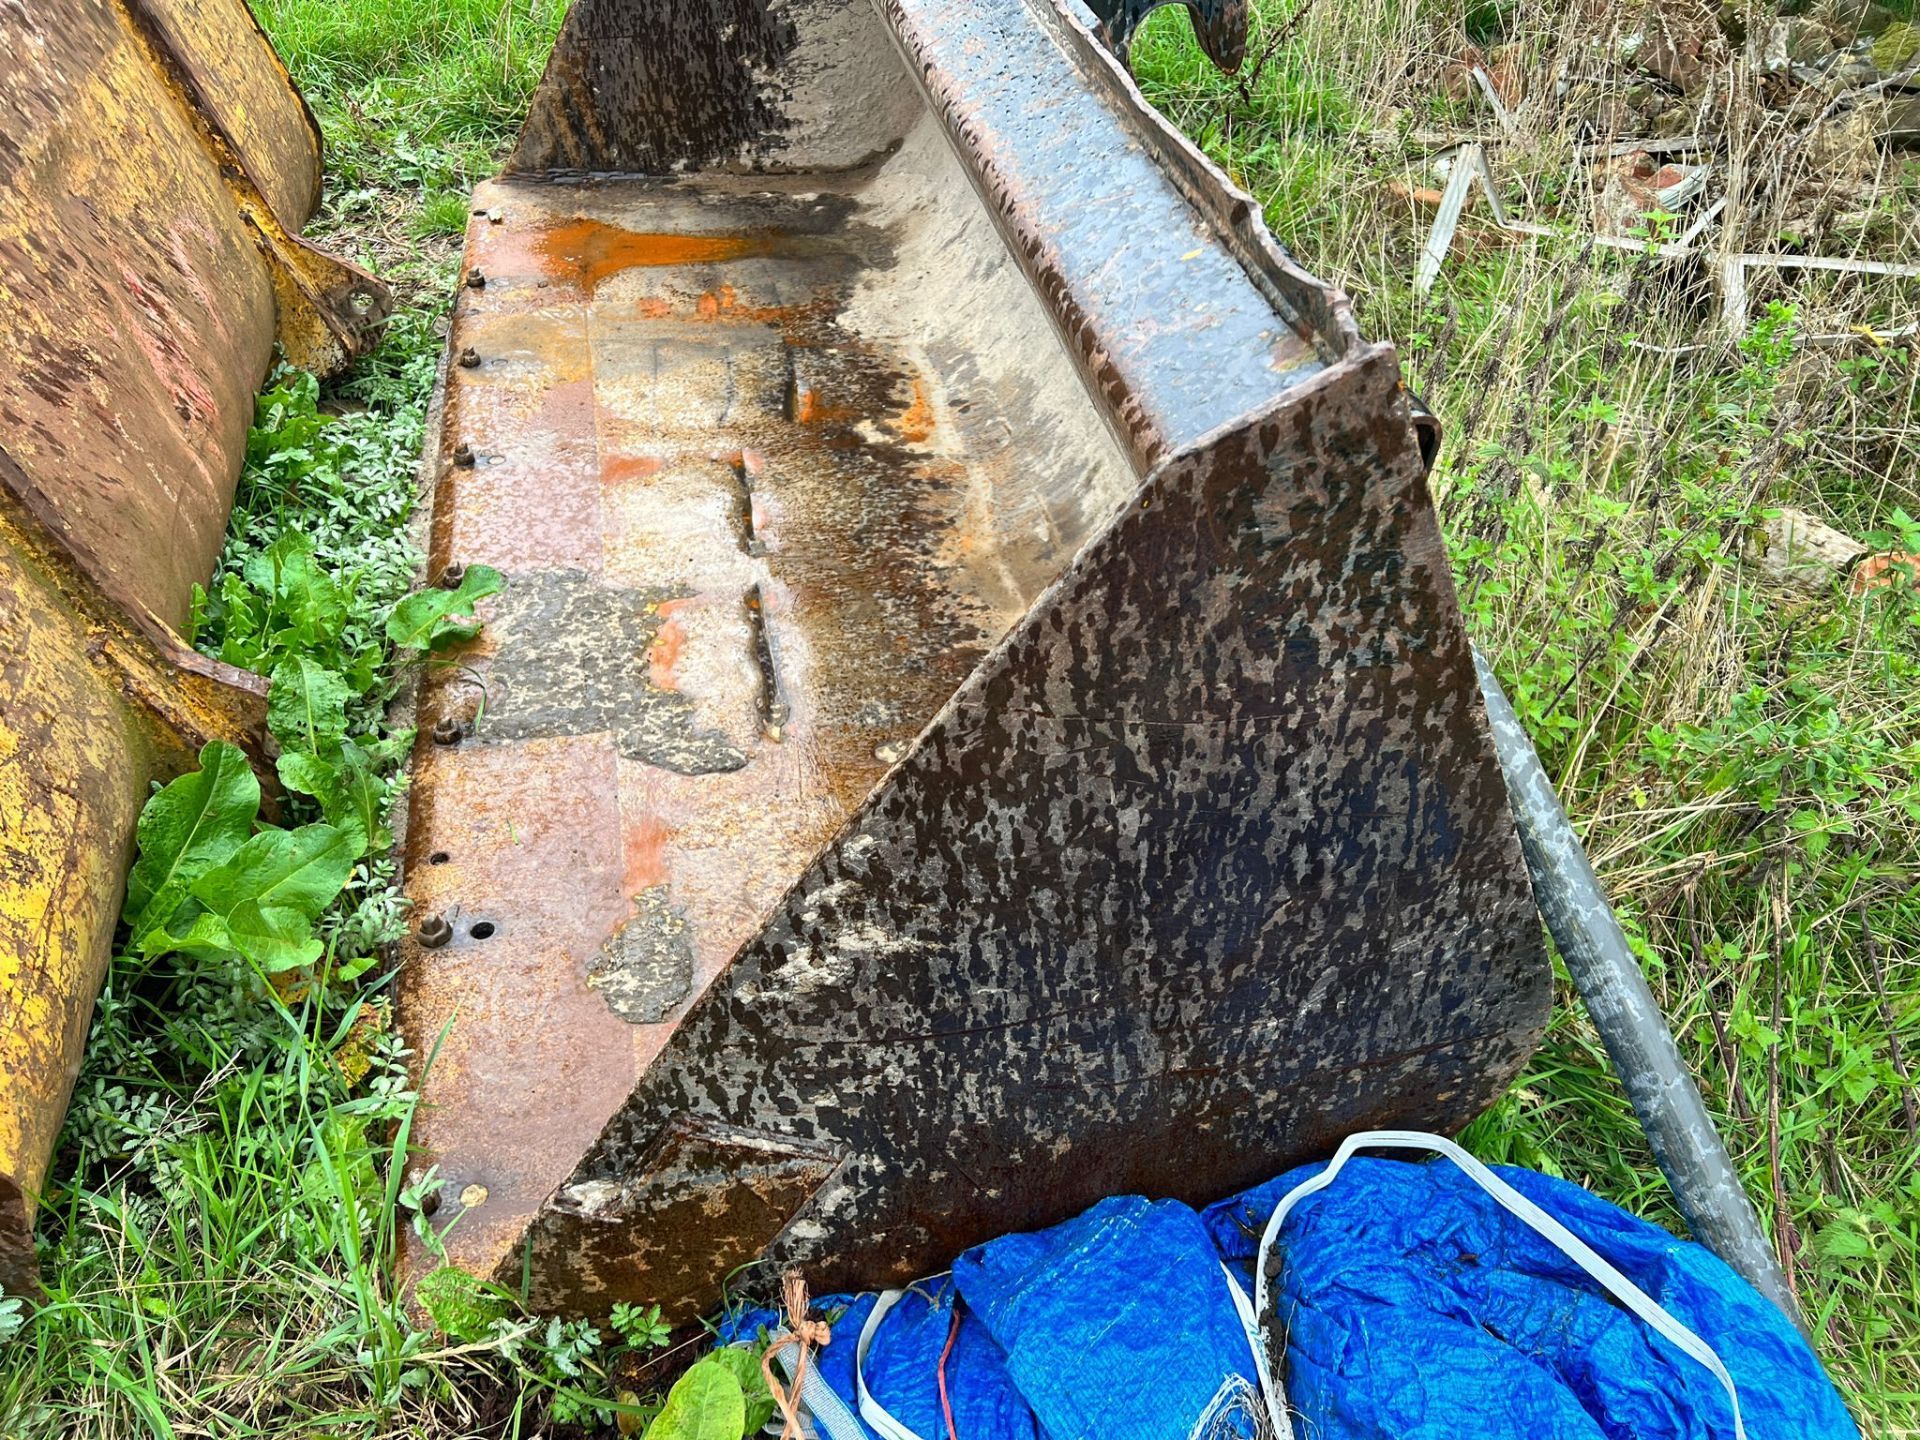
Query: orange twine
[(808, 1335)]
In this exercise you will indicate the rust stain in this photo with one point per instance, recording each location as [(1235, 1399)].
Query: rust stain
[(647, 839), (622, 469), (587, 251), (128, 396), (667, 645), (809, 406), (141, 269), (653, 473), (723, 302), (536, 501), (72, 775), (915, 424), (533, 844)]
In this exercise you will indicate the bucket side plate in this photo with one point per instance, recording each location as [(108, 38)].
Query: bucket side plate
[(1206, 867), (72, 764)]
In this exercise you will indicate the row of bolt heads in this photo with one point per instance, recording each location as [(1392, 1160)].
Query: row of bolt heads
[(434, 931), (446, 730), (470, 357)]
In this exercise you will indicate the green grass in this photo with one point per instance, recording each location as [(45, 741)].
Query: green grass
[(1741, 760)]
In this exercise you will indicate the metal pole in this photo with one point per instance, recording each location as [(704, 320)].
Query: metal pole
[(1628, 1017)]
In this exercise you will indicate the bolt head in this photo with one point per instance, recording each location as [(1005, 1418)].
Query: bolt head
[(451, 577), (463, 455), (446, 731), (476, 279), (433, 932), (469, 358)]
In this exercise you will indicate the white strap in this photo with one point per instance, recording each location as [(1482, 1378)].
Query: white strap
[(821, 1411), (871, 1410), (1570, 1244), (1249, 1322)]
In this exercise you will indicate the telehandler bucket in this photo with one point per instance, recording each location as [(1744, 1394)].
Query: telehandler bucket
[(978, 719), (155, 162)]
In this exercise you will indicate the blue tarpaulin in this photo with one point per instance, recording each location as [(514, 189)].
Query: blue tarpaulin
[(1411, 1303)]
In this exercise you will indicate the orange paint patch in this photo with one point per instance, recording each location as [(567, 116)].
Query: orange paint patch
[(808, 407), (622, 468), (1875, 572), (723, 303), (646, 853), (916, 421), (588, 251), (654, 307), (663, 656)]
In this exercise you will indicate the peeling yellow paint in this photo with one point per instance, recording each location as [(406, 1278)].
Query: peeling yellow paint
[(73, 767), (148, 259)]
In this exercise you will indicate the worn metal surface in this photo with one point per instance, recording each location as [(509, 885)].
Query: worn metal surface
[(239, 80), (213, 57), (1201, 870), (733, 501), (65, 859), (152, 157), (1175, 333), (729, 84), (702, 1200), (1219, 25), (93, 704), (978, 706), (136, 303)]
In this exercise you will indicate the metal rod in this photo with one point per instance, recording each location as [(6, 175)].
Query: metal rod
[(1628, 1017)]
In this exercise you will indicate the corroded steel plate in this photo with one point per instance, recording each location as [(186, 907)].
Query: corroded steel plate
[(66, 855), (238, 75)]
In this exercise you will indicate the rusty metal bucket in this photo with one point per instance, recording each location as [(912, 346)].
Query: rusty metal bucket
[(155, 162), (978, 719)]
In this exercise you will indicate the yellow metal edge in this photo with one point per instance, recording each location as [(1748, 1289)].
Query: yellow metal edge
[(329, 310)]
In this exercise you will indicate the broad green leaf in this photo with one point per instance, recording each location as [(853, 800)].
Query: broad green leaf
[(428, 618), (704, 1404), (307, 706), (743, 1363), (308, 774), (275, 937), (461, 1307), (237, 610), (299, 870), (303, 595), (186, 829), (349, 792), (206, 937), (359, 799), (199, 609)]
